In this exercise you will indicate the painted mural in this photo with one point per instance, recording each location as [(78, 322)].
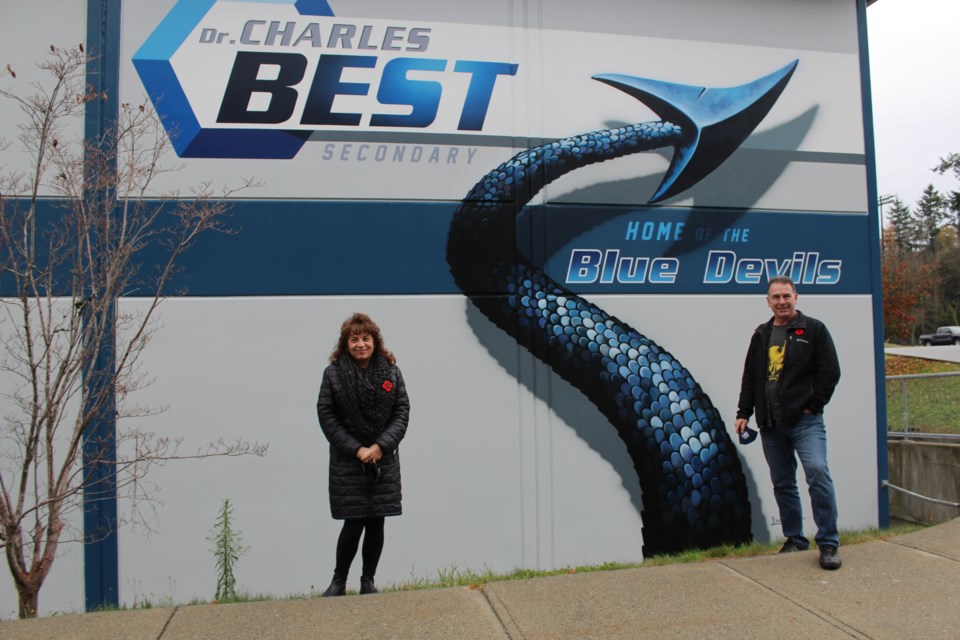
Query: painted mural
[(694, 491)]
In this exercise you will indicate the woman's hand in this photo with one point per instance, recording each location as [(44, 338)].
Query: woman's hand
[(369, 455)]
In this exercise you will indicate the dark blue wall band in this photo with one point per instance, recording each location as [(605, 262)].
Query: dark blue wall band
[(883, 495), (287, 248), (100, 561), (397, 248)]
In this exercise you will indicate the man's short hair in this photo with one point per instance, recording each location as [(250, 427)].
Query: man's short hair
[(781, 280)]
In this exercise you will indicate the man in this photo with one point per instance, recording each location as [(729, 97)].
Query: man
[(790, 373)]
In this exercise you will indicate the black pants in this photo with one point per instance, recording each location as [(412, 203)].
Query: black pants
[(349, 542)]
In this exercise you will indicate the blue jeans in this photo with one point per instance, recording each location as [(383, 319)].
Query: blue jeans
[(807, 438)]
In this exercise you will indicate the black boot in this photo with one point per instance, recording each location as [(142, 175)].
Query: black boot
[(366, 585), (337, 588)]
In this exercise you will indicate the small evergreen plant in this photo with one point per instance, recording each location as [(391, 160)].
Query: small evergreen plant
[(227, 549)]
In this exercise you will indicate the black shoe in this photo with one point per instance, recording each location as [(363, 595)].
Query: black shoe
[(829, 559), (337, 588), (792, 545), (366, 585)]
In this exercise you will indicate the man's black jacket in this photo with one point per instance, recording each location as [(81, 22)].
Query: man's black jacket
[(810, 371)]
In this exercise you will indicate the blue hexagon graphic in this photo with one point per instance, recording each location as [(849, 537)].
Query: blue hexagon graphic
[(313, 7), (189, 139)]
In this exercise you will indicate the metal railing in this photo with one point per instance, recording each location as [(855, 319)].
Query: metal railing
[(924, 405), (887, 485)]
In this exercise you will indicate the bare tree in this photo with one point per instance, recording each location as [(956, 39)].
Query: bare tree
[(65, 260)]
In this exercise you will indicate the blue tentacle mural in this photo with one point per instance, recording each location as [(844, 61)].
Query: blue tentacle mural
[(694, 491)]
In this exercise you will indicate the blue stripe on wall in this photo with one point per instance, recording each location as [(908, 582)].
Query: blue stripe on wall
[(285, 248), (322, 248), (883, 498), (368, 248), (100, 565)]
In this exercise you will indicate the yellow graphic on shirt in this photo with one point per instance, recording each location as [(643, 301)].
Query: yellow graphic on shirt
[(775, 361)]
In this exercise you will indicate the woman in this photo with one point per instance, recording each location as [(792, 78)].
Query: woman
[(363, 410)]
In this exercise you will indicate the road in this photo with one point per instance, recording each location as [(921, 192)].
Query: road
[(946, 353)]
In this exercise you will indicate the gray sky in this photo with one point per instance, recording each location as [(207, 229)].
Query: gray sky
[(916, 93)]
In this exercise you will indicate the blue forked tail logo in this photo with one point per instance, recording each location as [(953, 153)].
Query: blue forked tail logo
[(694, 491)]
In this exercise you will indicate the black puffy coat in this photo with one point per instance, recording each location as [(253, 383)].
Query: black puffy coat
[(352, 495)]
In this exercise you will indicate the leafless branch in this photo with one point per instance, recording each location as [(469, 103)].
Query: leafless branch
[(64, 274)]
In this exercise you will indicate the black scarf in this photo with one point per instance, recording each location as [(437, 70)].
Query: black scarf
[(368, 395)]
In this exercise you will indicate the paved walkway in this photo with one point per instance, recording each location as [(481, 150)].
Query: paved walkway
[(905, 587)]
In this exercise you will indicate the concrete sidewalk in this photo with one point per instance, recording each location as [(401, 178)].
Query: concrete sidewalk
[(906, 587)]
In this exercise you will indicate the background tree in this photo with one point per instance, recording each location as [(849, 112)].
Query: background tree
[(901, 226), (929, 216), (921, 261), (947, 276), (951, 163), (950, 270), (65, 266), (937, 305), (902, 276)]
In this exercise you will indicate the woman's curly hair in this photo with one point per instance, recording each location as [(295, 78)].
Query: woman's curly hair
[(360, 323)]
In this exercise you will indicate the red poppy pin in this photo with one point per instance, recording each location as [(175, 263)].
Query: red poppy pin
[(387, 386), (798, 332)]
